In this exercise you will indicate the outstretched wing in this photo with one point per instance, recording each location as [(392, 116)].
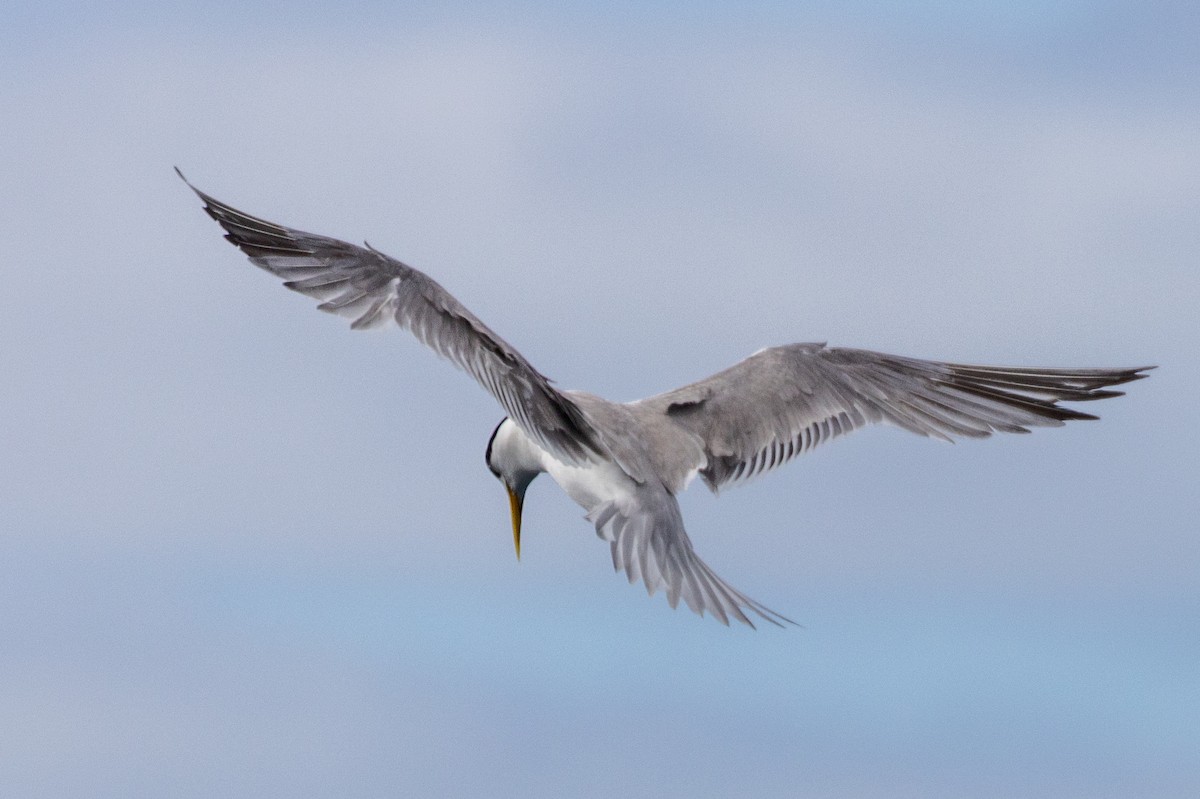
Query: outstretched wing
[(779, 402), (645, 531), (375, 290)]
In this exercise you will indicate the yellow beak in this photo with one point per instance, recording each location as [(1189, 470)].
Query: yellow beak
[(514, 504)]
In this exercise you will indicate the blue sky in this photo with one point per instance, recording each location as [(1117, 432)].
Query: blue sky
[(248, 551)]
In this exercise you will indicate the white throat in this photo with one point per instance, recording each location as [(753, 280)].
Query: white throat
[(514, 455)]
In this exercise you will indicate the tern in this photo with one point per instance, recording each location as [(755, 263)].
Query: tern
[(624, 463)]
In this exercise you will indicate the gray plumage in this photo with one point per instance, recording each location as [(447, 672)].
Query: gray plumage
[(625, 462), (375, 290), (780, 402)]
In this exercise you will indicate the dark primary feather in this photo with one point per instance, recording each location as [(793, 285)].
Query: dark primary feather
[(782, 401), (374, 289)]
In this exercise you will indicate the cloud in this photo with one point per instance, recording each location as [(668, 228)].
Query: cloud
[(246, 548)]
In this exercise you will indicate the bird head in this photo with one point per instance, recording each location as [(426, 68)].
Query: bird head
[(511, 459)]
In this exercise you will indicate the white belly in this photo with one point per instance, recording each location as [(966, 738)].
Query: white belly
[(591, 485)]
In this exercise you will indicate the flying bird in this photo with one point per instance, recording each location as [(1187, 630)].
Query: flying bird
[(624, 463)]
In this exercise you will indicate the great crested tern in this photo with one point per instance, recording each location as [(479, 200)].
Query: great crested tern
[(625, 462)]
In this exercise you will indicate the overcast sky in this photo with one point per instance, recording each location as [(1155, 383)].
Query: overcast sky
[(248, 552)]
